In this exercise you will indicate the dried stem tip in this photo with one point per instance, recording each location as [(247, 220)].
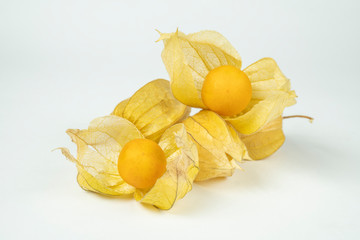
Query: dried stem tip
[(299, 116)]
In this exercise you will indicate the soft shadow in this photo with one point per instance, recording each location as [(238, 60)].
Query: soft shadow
[(315, 156), (308, 152), (211, 182), (127, 197), (150, 208), (197, 201)]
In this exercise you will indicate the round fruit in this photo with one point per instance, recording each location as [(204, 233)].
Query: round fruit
[(141, 163), (226, 90)]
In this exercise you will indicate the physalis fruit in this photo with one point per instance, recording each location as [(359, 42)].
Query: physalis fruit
[(141, 163), (226, 90)]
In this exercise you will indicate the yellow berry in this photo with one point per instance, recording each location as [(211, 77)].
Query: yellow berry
[(141, 163), (226, 90)]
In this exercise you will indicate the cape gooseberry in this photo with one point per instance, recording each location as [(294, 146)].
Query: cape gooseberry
[(141, 163), (226, 90)]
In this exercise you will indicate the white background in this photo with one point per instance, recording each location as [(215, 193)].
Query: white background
[(63, 63)]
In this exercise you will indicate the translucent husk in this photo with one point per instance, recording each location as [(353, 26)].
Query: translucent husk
[(182, 168), (152, 109), (189, 58), (218, 144), (98, 149)]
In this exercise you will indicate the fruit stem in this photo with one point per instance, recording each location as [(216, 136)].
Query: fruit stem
[(299, 116)]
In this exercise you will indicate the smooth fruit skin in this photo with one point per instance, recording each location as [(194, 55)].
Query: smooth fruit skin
[(141, 163), (226, 90)]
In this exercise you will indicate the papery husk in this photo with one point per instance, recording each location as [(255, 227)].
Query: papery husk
[(98, 149), (265, 142), (271, 93), (189, 58), (218, 144), (181, 169), (152, 109)]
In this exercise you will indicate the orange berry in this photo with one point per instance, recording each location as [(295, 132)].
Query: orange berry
[(226, 90), (141, 163)]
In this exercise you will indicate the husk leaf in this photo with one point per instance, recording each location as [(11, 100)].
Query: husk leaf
[(152, 109), (265, 142), (98, 149), (270, 95), (218, 145), (181, 170), (189, 58)]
